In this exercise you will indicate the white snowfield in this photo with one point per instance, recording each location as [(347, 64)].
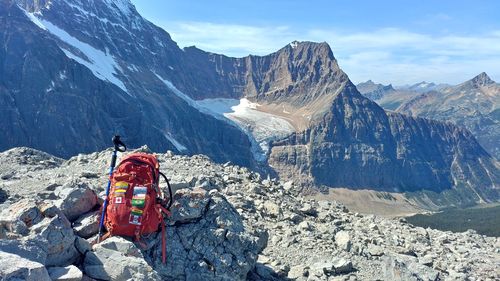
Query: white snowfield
[(102, 64), (264, 127)]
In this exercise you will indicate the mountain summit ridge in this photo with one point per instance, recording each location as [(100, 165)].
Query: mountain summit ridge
[(340, 137)]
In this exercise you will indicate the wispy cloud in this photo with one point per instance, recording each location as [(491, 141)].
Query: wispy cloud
[(230, 39), (387, 55)]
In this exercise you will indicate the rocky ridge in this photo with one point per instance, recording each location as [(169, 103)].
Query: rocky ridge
[(473, 104), (228, 223)]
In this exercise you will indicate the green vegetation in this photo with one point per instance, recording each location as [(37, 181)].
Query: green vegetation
[(485, 220)]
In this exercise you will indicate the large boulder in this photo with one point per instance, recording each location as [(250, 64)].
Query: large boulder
[(214, 245), (42, 232), (76, 199), (118, 259), (14, 268)]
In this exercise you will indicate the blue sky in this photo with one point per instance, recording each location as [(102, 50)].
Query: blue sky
[(397, 42)]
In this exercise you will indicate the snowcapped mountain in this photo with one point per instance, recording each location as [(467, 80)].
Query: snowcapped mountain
[(75, 72), (474, 104)]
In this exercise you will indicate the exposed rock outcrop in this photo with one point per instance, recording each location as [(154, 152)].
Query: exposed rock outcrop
[(230, 224)]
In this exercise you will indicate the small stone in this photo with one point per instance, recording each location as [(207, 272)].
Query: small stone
[(272, 209), (343, 266), (343, 240), (298, 271), (307, 209), (305, 225), (375, 250)]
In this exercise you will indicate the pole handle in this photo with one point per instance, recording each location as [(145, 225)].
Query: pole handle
[(119, 145)]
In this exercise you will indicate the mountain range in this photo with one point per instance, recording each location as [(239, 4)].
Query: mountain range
[(72, 73), (473, 104)]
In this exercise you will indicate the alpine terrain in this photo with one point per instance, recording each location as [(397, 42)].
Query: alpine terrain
[(474, 104), (227, 223), (72, 73)]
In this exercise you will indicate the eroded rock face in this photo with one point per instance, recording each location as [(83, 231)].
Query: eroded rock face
[(214, 244)]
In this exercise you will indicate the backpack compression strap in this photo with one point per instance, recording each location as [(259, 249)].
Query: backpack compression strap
[(171, 199)]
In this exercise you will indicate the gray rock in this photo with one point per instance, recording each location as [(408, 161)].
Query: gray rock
[(215, 247), (21, 215), (16, 268), (402, 267), (272, 209), (375, 250), (87, 225), (189, 205), (343, 240), (60, 239), (322, 268), (82, 245), (118, 259), (342, 266), (308, 209), (48, 236), (77, 198), (69, 273), (31, 249), (298, 271)]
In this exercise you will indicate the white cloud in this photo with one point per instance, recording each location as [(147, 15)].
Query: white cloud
[(230, 39), (387, 55)]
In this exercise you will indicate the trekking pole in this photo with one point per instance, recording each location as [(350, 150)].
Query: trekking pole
[(119, 146)]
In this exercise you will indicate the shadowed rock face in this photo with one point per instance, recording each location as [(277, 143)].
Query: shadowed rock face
[(358, 145), (51, 102), (79, 71), (473, 104)]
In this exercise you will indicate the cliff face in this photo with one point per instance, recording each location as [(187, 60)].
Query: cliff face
[(474, 104), (360, 146), (74, 73)]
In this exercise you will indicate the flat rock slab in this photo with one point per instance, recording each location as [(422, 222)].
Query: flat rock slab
[(69, 273)]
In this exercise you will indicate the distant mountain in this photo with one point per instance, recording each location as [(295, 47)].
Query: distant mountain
[(474, 104), (385, 96), (374, 91), (72, 73), (423, 87)]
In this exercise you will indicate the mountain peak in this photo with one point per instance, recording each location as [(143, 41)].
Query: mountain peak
[(482, 79)]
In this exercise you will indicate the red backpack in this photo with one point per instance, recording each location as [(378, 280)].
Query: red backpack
[(136, 205)]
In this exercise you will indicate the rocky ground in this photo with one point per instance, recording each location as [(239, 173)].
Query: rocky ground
[(228, 223)]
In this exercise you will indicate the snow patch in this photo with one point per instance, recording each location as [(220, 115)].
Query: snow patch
[(294, 44), (173, 141), (102, 64), (35, 20), (62, 75), (264, 127)]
